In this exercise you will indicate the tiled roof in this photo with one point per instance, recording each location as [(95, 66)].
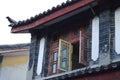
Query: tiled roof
[(9, 49), (14, 47), (57, 13), (41, 15), (84, 71)]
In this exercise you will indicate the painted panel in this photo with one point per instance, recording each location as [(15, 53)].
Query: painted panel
[(117, 30), (14, 67), (40, 55), (95, 38)]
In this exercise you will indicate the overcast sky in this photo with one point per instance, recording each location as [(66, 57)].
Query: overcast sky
[(20, 10)]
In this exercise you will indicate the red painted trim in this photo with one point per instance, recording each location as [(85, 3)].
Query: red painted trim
[(53, 16), (12, 51)]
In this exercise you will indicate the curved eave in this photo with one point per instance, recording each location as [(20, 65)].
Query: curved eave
[(51, 17)]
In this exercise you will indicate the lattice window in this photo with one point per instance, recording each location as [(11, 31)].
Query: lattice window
[(64, 57)]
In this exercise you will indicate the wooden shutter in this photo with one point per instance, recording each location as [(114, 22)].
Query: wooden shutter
[(83, 48), (67, 56)]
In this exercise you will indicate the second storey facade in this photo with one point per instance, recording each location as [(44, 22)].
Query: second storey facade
[(86, 38)]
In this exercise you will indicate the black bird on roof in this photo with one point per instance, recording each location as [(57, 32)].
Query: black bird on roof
[(12, 22)]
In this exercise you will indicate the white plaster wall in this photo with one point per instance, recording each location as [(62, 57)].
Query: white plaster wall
[(30, 74), (40, 55), (95, 38), (117, 30), (17, 72)]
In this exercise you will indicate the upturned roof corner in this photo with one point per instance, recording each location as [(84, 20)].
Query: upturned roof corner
[(12, 21)]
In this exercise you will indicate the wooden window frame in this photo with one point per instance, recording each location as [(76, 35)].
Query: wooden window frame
[(54, 62), (70, 48), (82, 48), (57, 46)]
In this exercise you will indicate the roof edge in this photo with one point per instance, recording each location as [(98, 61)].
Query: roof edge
[(51, 16), (16, 50)]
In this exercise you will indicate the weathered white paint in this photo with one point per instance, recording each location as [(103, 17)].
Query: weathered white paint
[(117, 30), (40, 56), (29, 74), (95, 38), (17, 72)]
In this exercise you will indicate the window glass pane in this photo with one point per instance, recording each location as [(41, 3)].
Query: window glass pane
[(64, 56), (64, 64), (54, 68), (64, 53), (54, 56)]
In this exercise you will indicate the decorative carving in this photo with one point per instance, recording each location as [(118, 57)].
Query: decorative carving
[(12, 22), (105, 48), (104, 51)]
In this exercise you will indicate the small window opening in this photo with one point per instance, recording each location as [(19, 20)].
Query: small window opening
[(54, 64)]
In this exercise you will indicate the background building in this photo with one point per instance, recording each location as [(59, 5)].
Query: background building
[(14, 61)]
